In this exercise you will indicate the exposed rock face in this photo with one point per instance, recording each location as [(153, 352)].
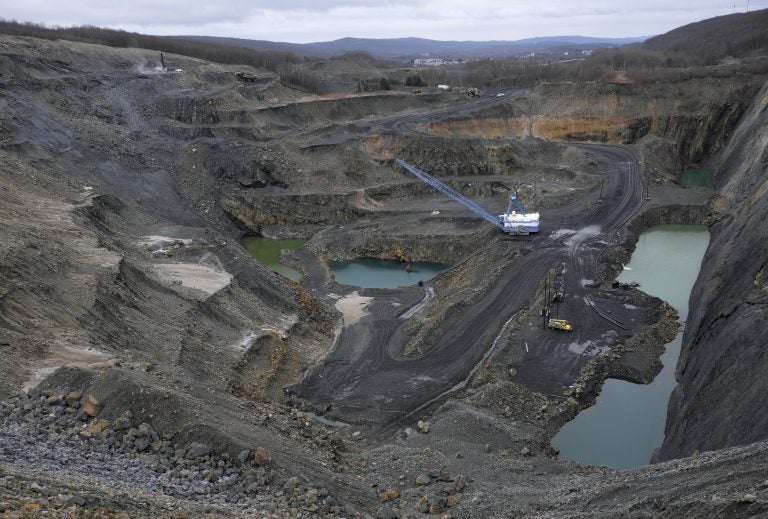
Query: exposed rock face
[(696, 115), (723, 368)]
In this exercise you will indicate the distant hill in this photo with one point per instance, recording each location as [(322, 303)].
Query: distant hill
[(710, 40), (400, 48)]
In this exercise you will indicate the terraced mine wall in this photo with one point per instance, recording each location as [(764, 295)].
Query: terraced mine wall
[(697, 115)]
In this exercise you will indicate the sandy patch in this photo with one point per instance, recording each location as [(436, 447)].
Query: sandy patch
[(154, 240), (582, 235), (202, 278), (246, 342), (353, 307), (66, 355), (281, 326)]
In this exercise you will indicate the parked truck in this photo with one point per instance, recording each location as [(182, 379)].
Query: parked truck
[(559, 324)]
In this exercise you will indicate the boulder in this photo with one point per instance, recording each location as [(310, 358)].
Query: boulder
[(243, 456), (291, 483), (262, 456), (98, 426), (73, 397), (423, 479), (389, 494), (91, 406), (385, 512), (198, 450), (459, 483)]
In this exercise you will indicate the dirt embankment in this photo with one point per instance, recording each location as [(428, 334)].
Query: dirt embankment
[(115, 254)]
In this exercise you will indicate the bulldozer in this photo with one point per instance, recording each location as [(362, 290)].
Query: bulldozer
[(559, 324)]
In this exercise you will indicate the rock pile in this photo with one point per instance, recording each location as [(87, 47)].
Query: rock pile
[(434, 494), (63, 432)]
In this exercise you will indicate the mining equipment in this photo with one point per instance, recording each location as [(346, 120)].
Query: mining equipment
[(515, 222), (559, 324), (246, 76)]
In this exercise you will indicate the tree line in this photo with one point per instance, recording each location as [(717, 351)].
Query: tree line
[(218, 53), (684, 53)]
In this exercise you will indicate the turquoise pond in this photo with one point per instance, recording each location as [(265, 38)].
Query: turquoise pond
[(626, 423), (375, 273)]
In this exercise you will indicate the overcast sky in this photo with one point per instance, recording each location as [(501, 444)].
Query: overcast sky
[(320, 20)]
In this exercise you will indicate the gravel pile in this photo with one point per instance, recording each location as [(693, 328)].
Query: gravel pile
[(61, 432)]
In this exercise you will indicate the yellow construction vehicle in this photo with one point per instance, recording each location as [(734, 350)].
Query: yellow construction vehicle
[(559, 324)]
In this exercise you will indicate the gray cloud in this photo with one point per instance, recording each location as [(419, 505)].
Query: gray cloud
[(308, 20)]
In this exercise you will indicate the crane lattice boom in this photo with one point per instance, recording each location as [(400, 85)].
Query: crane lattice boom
[(450, 193), (512, 222)]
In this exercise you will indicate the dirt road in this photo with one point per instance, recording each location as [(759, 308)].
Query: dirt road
[(383, 388)]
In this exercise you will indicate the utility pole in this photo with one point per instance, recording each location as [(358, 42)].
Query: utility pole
[(546, 294)]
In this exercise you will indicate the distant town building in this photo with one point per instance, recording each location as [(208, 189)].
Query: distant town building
[(429, 62), (435, 62)]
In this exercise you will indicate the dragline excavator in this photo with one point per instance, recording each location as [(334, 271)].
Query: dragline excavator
[(516, 221)]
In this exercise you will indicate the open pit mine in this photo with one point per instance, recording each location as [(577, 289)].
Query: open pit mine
[(152, 367)]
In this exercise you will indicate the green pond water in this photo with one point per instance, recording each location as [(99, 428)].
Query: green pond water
[(374, 273), (696, 178), (267, 251), (626, 424), (322, 419)]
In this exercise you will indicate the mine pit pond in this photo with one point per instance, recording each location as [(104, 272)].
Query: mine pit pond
[(267, 251), (626, 424), (696, 178), (375, 273)]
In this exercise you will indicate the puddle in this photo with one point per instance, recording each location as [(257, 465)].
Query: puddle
[(374, 273), (696, 178), (626, 424), (323, 419), (267, 251)]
